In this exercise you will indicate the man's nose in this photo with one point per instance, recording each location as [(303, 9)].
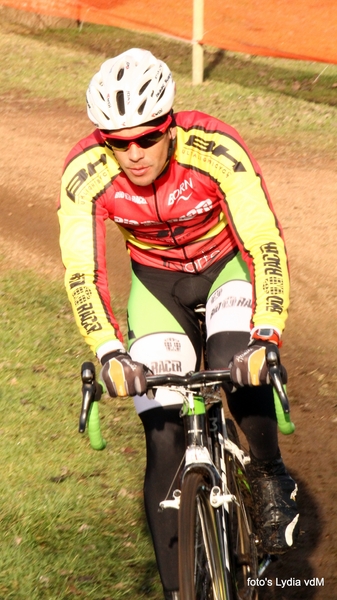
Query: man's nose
[(135, 152)]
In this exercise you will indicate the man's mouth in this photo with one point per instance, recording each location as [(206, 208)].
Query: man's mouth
[(138, 171)]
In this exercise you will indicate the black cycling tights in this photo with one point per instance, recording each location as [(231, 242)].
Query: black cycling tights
[(165, 448), (164, 434)]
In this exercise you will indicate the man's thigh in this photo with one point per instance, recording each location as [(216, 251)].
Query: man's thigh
[(159, 341), (228, 313)]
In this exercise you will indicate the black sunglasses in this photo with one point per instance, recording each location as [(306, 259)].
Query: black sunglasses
[(145, 140)]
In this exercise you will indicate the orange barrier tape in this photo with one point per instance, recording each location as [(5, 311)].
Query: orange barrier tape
[(300, 29)]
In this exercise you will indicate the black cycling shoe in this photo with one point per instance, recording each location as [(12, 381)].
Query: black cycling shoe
[(171, 595), (276, 512)]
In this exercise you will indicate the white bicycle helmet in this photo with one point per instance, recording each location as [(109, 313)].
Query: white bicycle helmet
[(129, 90)]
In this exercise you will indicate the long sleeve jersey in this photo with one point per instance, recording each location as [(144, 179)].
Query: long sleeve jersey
[(210, 201)]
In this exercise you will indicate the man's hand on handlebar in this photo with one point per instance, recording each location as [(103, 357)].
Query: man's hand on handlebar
[(249, 366), (122, 376)]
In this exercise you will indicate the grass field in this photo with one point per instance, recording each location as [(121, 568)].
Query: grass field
[(72, 523), (70, 516)]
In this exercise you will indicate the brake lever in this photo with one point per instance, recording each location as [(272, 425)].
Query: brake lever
[(88, 393), (273, 362)]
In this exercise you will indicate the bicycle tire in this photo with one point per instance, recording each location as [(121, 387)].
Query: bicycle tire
[(243, 548), (202, 573)]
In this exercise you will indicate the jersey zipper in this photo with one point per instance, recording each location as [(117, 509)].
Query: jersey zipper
[(169, 227)]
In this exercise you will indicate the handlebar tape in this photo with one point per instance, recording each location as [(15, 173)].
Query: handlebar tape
[(285, 425), (97, 441)]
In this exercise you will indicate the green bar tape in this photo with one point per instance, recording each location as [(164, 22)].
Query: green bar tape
[(285, 425), (96, 440)]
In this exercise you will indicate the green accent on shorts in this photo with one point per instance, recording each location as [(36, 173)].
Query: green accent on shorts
[(146, 314), (234, 270)]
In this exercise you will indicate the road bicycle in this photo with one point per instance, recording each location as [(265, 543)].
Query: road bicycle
[(219, 552)]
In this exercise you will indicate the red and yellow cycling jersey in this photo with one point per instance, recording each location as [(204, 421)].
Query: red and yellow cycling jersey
[(210, 200)]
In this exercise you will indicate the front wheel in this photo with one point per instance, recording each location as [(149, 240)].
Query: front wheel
[(202, 570)]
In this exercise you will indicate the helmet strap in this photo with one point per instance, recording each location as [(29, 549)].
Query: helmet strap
[(172, 147)]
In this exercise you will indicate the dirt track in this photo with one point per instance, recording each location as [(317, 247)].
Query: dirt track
[(304, 194)]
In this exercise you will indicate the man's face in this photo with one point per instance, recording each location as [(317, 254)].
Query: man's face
[(143, 165)]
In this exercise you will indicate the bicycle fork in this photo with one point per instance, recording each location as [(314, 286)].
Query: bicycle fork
[(198, 455)]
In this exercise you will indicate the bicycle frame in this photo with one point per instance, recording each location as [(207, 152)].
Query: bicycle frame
[(207, 443), (200, 434)]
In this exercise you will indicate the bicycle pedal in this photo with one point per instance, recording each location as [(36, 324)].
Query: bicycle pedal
[(242, 560)]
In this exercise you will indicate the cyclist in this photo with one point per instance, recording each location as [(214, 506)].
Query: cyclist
[(199, 226)]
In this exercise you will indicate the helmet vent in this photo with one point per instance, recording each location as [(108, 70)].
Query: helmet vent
[(143, 88), (120, 74), (141, 108), (120, 103)]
